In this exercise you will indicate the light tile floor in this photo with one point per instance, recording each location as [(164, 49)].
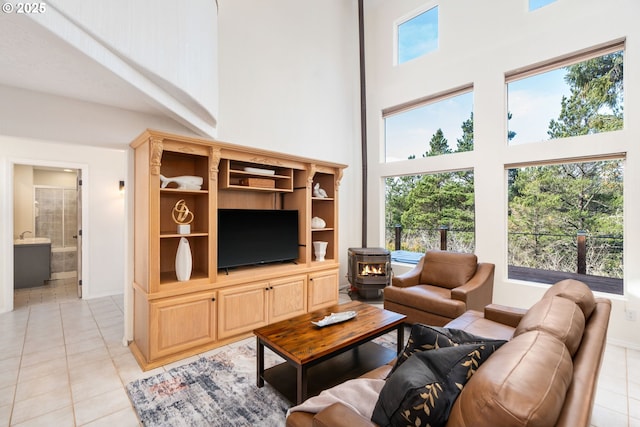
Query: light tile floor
[(62, 363)]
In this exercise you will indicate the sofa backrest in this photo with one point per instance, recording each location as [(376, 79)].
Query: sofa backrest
[(575, 291), (557, 316), (521, 384), (448, 269), (547, 374)]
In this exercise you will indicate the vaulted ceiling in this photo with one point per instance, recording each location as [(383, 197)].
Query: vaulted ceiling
[(33, 58)]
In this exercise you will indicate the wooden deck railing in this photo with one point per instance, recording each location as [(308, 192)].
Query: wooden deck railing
[(610, 285)]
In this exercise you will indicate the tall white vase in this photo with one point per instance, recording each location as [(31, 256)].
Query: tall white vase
[(184, 262), (320, 250)]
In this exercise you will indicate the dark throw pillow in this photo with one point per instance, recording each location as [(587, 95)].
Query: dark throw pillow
[(425, 386), (423, 337)]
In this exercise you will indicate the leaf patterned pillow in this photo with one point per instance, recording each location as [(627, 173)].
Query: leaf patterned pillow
[(424, 337), (423, 389)]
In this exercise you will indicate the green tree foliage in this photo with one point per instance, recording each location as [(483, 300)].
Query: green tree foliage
[(438, 145), (397, 188), (563, 199), (440, 199), (596, 102), (466, 142)]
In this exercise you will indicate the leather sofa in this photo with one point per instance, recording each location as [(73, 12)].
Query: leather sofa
[(545, 375), (442, 286)]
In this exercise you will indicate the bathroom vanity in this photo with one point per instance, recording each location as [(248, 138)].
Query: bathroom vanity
[(31, 262)]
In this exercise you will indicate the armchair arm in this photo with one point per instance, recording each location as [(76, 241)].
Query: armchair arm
[(509, 316), (338, 415), (411, 277), (478, 291)]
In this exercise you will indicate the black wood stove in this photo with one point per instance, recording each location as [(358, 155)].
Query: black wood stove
[(369, 271)]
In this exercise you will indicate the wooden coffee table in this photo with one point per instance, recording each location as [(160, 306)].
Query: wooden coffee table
[(336, 352)]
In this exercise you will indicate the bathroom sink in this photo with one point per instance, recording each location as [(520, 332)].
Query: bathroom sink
[(32, 241)]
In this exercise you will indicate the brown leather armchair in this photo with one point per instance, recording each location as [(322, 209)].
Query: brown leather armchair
[(442, 286)]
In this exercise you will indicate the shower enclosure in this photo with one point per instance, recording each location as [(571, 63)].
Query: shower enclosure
[(56, 217)]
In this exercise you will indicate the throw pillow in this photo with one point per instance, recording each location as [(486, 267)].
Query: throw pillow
[(423, 389), (423, 337)]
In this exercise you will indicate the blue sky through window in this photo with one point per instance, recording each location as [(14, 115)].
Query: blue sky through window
[(533, 102), (537, 4), (418, 35), (408, 133)]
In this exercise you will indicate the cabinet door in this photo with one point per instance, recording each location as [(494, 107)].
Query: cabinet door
[(287, 298), (323, 289), (180, 323), (242, 309)]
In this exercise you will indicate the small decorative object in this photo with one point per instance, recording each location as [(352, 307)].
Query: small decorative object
[(317, 222), (185, 182), (258, 182), (183, 260), (320, 249), (182, 216), (260, 171), (319, 192), (335, 318)]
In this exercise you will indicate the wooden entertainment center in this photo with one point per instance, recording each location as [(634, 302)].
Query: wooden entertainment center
[(175, 319)]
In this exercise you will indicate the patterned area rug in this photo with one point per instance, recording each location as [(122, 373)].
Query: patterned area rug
[(218, 390)]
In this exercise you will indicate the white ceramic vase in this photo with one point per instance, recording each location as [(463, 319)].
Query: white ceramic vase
[(317, 222), (184, 262), (320, 250)]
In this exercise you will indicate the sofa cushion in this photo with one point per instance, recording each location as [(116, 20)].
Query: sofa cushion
[(577, 292), (475, 323), (424, 337), (557, 316), (523, 384), (423, 388), (432, 299), (448, 269)]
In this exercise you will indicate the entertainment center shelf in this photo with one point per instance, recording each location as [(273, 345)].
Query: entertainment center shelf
[(255, 176), (214, 306)]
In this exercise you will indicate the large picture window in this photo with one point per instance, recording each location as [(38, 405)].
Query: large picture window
[(576, 97), (433, 127), (567, 218)]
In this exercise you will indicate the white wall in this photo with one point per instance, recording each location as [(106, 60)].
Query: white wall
[(25, 113), (289, 82), (479, 43), (104, 222), (22, 200)]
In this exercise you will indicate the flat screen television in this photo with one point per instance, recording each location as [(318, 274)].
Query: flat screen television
[(256, 236)]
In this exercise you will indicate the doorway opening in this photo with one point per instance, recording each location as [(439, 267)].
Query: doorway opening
[(47, 219)]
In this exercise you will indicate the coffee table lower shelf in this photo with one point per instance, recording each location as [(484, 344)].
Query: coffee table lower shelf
[(345, 366)]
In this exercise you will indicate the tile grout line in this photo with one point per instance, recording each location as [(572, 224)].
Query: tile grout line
[(66, 356), (15, 389)]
